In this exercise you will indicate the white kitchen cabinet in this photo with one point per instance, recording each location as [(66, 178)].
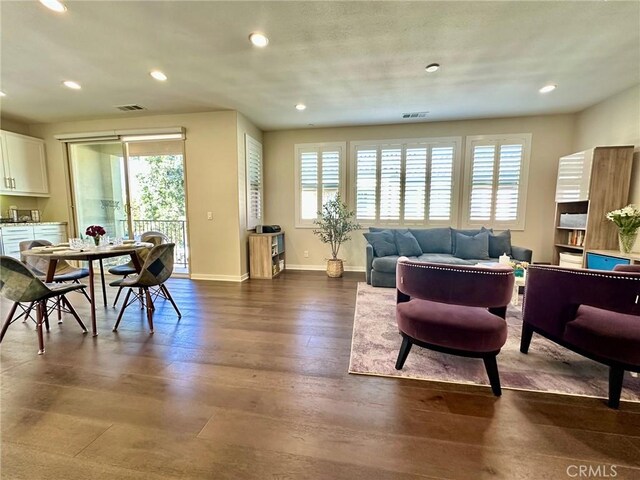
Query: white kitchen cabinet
[(24, 165), (14, 234)]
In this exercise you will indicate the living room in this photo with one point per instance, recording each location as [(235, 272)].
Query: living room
[(222, 374)]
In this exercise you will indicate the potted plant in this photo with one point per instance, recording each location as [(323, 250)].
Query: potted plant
[(334, 225), (627, 220)]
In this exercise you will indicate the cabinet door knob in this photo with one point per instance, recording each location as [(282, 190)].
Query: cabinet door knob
[(13, 183)]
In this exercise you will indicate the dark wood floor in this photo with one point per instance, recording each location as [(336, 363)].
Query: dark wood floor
[(252, 383)]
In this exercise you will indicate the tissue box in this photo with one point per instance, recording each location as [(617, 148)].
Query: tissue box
[(573, 220)]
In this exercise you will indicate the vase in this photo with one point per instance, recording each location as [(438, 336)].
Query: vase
[(335, 268), (626, 241), (96, 240)]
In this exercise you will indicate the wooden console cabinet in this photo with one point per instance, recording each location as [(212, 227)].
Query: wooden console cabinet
[(266, 255)]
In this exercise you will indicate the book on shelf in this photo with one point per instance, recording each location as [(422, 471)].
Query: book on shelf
[(576, 237)]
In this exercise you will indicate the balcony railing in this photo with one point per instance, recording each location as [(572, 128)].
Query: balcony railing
[(175, 230)]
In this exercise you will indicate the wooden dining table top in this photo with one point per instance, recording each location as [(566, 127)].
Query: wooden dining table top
[(86, 253)]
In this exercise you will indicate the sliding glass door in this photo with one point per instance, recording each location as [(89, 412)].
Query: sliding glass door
[(99, 182), (130, 188)]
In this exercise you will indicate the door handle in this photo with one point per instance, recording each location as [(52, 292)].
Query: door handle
[(13, 183)]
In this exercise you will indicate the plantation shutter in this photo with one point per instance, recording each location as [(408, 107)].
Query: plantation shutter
[(366, 182), (330, 174), (415, 183), (309, 185), (441, 183), (508, 185), (253, 154), (482, 173), (574, 175), (390, 182)]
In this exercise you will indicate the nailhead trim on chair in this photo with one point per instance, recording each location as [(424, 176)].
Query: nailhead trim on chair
[(480, 270), (618, 275)]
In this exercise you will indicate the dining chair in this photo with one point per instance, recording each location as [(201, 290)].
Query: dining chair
[(21, 285), (157, 268), (126, 269)]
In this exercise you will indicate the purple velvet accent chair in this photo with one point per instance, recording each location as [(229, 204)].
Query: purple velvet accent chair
[(594, 313), (454, 309)]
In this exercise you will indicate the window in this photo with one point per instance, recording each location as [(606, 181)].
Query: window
[(319, 177), (406, 182), (496, 180), (253, 155)]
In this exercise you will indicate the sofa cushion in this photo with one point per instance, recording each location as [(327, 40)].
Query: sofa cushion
[(468, 232), (382, 242), (407, 244), (499, 243), (614, 336), (387, 229), (433, 240), (385, 264), (444, 258), (475, 247)]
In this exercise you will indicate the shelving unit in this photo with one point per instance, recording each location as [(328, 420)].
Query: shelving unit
[(266, 255), (591, 183)]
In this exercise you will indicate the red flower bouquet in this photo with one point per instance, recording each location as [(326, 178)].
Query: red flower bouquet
[(95, 231)]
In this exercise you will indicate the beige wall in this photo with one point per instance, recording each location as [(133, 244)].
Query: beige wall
[(614, 121), (244, 127), (13, 126), (552, 138), (211, 168)]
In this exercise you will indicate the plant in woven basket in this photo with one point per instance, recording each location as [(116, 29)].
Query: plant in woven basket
[(335, 223)]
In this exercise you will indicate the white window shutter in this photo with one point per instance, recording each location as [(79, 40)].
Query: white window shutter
[(254, 178), (441, 183), (415, 183), (366, 183), (508, 187), (390, 183), (482, 175), (330, 174), (309, 185)]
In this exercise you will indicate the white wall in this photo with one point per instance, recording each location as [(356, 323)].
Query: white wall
[(614, 121), (552, 138)]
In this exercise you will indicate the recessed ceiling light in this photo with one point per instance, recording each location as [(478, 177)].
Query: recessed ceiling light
[(259, 39), (2, 94), (72, 85), (54, 5), (432, 67), (301, 106), (158, 75), (548, 88)]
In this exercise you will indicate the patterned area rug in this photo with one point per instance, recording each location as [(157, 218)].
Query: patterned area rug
[(547, 368)]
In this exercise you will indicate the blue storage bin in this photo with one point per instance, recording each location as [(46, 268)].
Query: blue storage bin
[(595, 261)]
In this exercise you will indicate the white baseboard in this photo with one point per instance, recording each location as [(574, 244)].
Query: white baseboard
[(322, 268), (220, 278)]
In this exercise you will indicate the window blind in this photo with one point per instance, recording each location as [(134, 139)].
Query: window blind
[(253, 154)]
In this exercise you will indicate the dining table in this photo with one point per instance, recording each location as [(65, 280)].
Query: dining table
[(89, 254)]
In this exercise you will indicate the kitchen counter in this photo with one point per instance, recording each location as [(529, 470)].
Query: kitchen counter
[(22, 224)]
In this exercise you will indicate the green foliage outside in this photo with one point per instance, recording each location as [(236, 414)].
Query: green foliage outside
[(161, 189)]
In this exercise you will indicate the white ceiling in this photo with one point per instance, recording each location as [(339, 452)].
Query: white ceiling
[(349, 62)]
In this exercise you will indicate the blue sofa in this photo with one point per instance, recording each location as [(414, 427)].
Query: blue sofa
[(436, 245)]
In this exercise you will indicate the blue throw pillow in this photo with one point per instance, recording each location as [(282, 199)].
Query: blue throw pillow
[(499, 244), (468, 232), (407, 244), (383, 243), (433, 240), (472, 247)]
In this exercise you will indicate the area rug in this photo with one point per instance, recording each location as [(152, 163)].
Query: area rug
[(547, 368)]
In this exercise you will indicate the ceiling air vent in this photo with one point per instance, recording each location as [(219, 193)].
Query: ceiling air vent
[(129, 108), (415, 115)]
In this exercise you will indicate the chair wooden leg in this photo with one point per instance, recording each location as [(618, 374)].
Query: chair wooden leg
[(616, 376), (73, 312), (165, 290), (7, 322), (59, 308), (149, 308), (40, 313), (492, 372), (525, 339), (405, 348), (141, 298), (45, 315), (124, 307)]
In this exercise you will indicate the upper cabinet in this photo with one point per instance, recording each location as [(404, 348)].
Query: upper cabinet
[(24, 165), (574, 177)]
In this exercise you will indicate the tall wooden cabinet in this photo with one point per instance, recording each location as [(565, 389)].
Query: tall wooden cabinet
[(590, 184), (266, 254)]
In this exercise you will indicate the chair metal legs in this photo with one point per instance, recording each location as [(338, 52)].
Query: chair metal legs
[(146, 298), (168, 296), (40, 309)]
